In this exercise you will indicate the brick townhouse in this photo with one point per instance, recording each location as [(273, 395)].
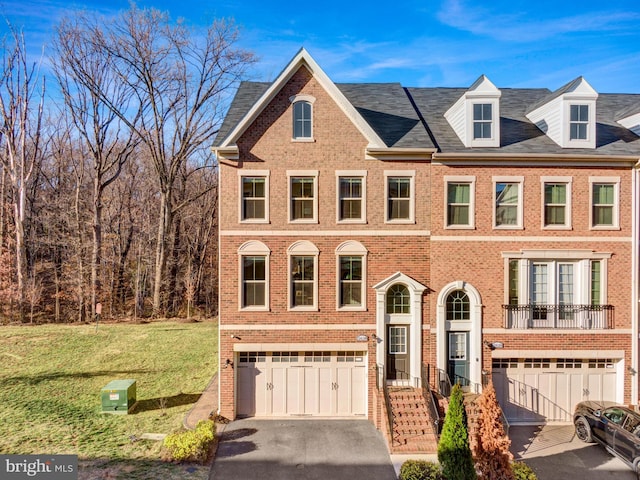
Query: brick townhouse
[(372, 234)]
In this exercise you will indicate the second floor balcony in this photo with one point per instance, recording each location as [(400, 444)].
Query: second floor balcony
[(575, 317)]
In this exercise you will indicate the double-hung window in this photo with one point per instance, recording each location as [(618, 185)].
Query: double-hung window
[(303, 196), (303, 276), (578, 122), (351, 267), (556, 195), (351, 187), (254, 187), (459, 197), (400, 196), (254, 276), (508, 202), (604, 202), (482, 120)]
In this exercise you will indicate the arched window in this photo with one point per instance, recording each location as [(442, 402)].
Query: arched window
[(302, 116), (458, 306), (398, 299)]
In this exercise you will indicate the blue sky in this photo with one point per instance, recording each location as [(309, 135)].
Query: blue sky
[(448, 43)]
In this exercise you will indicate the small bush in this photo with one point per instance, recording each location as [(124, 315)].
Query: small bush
[(420, 470), (522, 471), (191, 445)]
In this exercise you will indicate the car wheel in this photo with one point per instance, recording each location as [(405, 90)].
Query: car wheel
[(583, 430)]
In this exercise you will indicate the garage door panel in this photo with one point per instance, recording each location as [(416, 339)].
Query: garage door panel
[(291, 383), (550, 392)]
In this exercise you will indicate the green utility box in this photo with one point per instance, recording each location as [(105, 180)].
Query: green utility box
[(119, 396)]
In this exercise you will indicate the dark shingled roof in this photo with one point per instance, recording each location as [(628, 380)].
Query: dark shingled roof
[(398, 115)]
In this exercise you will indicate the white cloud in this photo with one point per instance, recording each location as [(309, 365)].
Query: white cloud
[(528, 27)]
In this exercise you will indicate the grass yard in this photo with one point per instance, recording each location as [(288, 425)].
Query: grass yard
[(50, 385)]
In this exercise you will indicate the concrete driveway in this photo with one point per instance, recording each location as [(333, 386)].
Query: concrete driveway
[(303, 450), (554, 452)]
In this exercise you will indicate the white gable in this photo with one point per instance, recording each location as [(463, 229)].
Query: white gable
[(554, 116), (460, 114)]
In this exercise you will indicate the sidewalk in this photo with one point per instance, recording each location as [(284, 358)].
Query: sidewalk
[(206, 406)]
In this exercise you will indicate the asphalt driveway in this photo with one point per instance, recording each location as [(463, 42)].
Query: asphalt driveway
[(283, 449), (554, 452)]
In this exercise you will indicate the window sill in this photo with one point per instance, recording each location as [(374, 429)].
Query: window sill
[(508, 227), (608, 228), (255, 221), (459, 227), (359, 308), (303, 309), (557, 227), (253, 309), (304, 222), (352, 222), (407, 221), (303, 140)]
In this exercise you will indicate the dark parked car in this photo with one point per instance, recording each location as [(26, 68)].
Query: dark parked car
[(614, 426)]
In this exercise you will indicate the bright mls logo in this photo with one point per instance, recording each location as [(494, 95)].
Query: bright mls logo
[(44, 467)]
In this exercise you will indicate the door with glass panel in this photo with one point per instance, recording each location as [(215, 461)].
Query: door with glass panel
[(397, 352), (552, 294), (458, 355)]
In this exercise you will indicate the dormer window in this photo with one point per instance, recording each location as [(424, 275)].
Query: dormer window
[(482, 119), (302, 117), (475, 117), (579, 122), (568, 115)]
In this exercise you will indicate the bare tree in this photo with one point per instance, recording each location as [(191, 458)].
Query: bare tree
[(182, 81), (21, 110), (87, 80)]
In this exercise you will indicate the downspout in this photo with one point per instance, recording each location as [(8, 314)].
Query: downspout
[(635, 295)]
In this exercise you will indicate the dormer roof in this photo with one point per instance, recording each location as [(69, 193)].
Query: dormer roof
[(630, 117), (475, 116), (561, 113)]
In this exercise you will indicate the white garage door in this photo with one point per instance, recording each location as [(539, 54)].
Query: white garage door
[(301, 383), (535, 390)]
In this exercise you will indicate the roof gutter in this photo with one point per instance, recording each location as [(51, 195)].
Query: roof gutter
[(553, 158)]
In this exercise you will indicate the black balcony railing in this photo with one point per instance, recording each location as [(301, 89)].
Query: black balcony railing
[(587, 317)]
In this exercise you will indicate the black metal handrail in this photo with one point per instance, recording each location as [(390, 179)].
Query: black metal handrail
[(434, 411), (587, 317)]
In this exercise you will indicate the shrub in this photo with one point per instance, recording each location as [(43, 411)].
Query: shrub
[(420, 470), (493, 458), (522, 471), (191, 445), (454, 453)]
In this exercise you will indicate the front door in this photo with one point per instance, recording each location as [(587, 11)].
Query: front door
[(397, 352), (459, 358)]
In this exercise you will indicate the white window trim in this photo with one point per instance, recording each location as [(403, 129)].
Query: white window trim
[(308, 249), (302, 98), (568, 181), (351, 248), (520, 207), (412, 185), (253, 248), (590, 141), (615, 181), (471, 180), (254, 173), (303, 173), (363, 207), (494, 140)]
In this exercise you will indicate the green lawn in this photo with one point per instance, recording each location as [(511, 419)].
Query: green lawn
[(50, 384)]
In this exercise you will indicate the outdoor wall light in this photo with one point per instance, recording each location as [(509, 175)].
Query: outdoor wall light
[(493, 345), (632, 371), (235, 336), (228, 363)]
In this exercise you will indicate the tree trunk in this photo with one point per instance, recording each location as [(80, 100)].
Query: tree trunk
[(164, 223)]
